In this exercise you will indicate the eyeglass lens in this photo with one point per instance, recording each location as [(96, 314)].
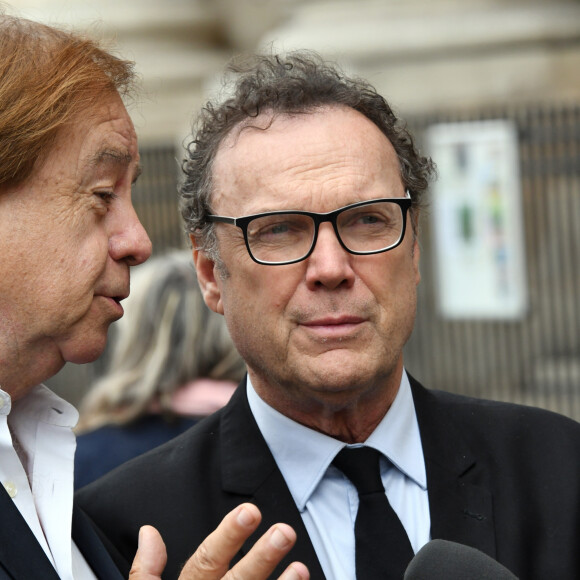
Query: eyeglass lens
[(289, 236)]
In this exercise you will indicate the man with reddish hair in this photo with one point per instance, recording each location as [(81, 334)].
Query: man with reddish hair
[(68, 236)]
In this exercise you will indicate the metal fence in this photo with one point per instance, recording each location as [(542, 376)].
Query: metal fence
[(534, 360), (155, 197)]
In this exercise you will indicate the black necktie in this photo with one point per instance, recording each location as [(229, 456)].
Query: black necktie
[(383, 550)]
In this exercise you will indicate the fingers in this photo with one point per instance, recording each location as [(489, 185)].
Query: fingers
[(151, 555), (265, 555), (212, 559), (296, 571)]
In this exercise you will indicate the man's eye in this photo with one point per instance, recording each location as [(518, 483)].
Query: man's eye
[(369, 219), (276, 229), (268, 230), (106, 196)]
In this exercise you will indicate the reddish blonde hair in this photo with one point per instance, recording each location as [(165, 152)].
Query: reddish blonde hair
[(48, 79)]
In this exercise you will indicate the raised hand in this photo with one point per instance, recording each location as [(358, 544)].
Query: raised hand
[(212, 558)]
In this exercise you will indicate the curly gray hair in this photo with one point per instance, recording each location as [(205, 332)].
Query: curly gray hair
[(293, 84)]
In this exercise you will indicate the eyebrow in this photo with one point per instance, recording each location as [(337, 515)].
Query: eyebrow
[(115, 157)]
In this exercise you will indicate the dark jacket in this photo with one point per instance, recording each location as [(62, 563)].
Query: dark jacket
[(502, 478), (22, 557)]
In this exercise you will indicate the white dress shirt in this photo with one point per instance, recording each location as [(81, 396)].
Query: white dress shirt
[(37, 447), (327, 500)]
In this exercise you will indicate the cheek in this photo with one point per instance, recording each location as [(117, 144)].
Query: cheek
[(82, 240), (257, 300), (88, 261), (94, 258), (78, 272), (396, 290)]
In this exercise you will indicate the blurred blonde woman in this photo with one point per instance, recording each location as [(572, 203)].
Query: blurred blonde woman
[(172, 363)]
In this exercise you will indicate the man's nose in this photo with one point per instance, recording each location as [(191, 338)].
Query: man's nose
[(329, 265), (131, 243)]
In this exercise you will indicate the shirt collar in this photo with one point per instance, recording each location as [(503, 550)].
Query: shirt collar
[(303, 455), (397, 436), (41, 404), (5, 403)]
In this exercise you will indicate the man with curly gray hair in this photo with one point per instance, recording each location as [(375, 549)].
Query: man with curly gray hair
[(297, 85), (301, 197)]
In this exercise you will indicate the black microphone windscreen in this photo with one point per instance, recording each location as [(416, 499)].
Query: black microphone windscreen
[(444, 560)]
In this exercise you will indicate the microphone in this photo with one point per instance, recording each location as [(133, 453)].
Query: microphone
[(444, 560)]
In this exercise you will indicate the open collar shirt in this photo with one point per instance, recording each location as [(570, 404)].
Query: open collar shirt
[(326, 499), (37, 447)]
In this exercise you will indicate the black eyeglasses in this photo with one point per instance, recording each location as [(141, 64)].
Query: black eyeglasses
[(276, 238)]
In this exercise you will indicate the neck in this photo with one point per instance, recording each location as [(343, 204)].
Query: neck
[(350, 417), (21, 371)]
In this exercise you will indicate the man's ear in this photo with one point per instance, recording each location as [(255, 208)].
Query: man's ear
[(207, 279), (416, 260), (416, 246)]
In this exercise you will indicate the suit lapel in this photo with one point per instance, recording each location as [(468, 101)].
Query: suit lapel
[(459, 497), (20, 553), (23, 558), (460, 501), (92, 548), (251, 474)]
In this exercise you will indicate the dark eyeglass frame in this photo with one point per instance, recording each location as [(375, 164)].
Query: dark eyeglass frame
[(242, 222)]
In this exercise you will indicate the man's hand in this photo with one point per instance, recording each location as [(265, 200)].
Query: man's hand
[(211, 560)]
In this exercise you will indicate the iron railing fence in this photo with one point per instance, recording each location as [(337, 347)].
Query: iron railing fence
[(155, 197), (535, 359)]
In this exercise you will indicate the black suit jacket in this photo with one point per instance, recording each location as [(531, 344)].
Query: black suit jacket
[(22, 557), (502, 478)]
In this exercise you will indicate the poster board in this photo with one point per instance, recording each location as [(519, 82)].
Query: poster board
[(477, 220)]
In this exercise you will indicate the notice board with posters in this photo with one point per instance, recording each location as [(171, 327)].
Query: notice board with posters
[(477, 220)]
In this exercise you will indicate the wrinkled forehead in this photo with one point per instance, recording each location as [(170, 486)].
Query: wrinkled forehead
[(322, 152), (355, 126), (101, 136)]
